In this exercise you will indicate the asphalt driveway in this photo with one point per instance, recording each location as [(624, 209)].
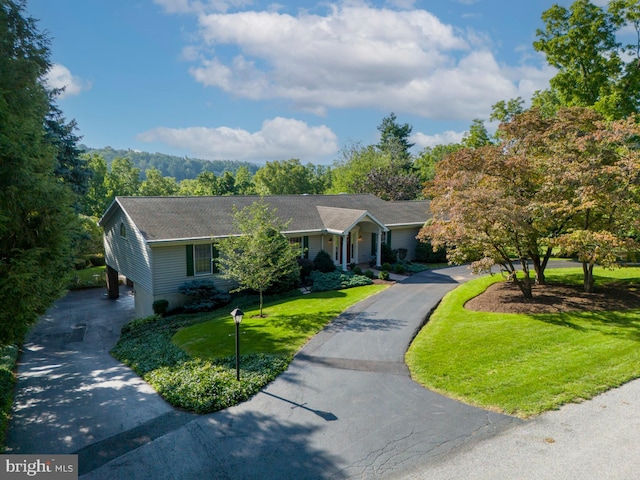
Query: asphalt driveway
[(345, 408)]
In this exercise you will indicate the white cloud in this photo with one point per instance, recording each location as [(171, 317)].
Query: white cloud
[(278, 139), (422, 140), (59, 77), (357, 56)]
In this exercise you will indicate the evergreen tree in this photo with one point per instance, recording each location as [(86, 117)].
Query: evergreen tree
[(37, 219)]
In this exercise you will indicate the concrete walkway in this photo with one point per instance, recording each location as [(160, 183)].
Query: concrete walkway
[(346, 408)]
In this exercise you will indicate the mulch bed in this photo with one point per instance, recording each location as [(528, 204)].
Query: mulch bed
[(553, 298)]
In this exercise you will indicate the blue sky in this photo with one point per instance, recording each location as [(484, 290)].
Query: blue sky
[(261, 81)]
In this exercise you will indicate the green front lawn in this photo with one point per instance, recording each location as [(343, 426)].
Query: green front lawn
[(526, 364), (88, 278), (288, 326), (190, 359)]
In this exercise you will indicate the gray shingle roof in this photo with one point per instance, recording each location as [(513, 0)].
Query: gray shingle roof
[(176, 218)]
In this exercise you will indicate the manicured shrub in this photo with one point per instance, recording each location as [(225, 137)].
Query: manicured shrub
[(285, 283), (369, 274), (306, 267), (323, 282), (80, 263), (205, 296), (160, 307), (425, 253), (97, 260), (383, 275), (323, 262), (399, 268), (357, 270), (388, 254), (386, 266)]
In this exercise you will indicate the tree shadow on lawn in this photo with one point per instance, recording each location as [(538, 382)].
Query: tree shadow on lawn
[(618, 323)]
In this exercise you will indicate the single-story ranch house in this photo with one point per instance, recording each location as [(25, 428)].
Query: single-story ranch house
[(158, 243)]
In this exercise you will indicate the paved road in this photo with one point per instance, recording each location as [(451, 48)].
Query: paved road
[(346, 407)]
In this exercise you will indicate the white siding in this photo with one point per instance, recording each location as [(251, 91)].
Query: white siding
[(170, 270), (315, 245), (129, 256), (405, 238)]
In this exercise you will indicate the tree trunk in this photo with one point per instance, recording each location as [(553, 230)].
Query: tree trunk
[(525, 284), (260, 303), (589, 281), (540, 278)]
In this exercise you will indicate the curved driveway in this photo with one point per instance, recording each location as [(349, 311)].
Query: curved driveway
[(345, 408)]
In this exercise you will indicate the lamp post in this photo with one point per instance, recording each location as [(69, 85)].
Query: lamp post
[(237, 315)]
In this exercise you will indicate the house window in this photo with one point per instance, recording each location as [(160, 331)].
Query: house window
[(202, 259), (297, 243), (302, 243), (383, 237), (123, 230)]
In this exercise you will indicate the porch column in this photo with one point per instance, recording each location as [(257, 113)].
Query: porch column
[(344, 252), (113, 289), (379, 248)]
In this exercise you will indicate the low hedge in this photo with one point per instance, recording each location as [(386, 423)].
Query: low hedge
[(323, 282)]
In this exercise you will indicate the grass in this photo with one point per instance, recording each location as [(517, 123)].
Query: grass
[(88, 278), (523, 364), (288, 326), (190, 359)]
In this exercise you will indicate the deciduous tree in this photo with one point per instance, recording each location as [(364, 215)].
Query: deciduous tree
[(553, 181), (594, 69), (155, 185), (259, 254)]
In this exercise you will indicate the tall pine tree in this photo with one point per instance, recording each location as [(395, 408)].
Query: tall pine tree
[(36, 202)]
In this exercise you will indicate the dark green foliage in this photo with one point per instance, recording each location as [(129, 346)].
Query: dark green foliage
[(205, 296), (369, 274), (323, 282), (306, 267), (399, 268), (160, 307), (388, 254), (425, 253), (386, 266), (97, 260), (8, 358), (323, 262), (383, 275), (202, 386), (37, 219), (179, 168), (285, 283), (357, 270), (205, 386)]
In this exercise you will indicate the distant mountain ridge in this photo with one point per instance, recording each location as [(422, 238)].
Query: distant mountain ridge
[(171, 165)]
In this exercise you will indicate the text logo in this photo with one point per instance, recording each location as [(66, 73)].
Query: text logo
[(49, 467)]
